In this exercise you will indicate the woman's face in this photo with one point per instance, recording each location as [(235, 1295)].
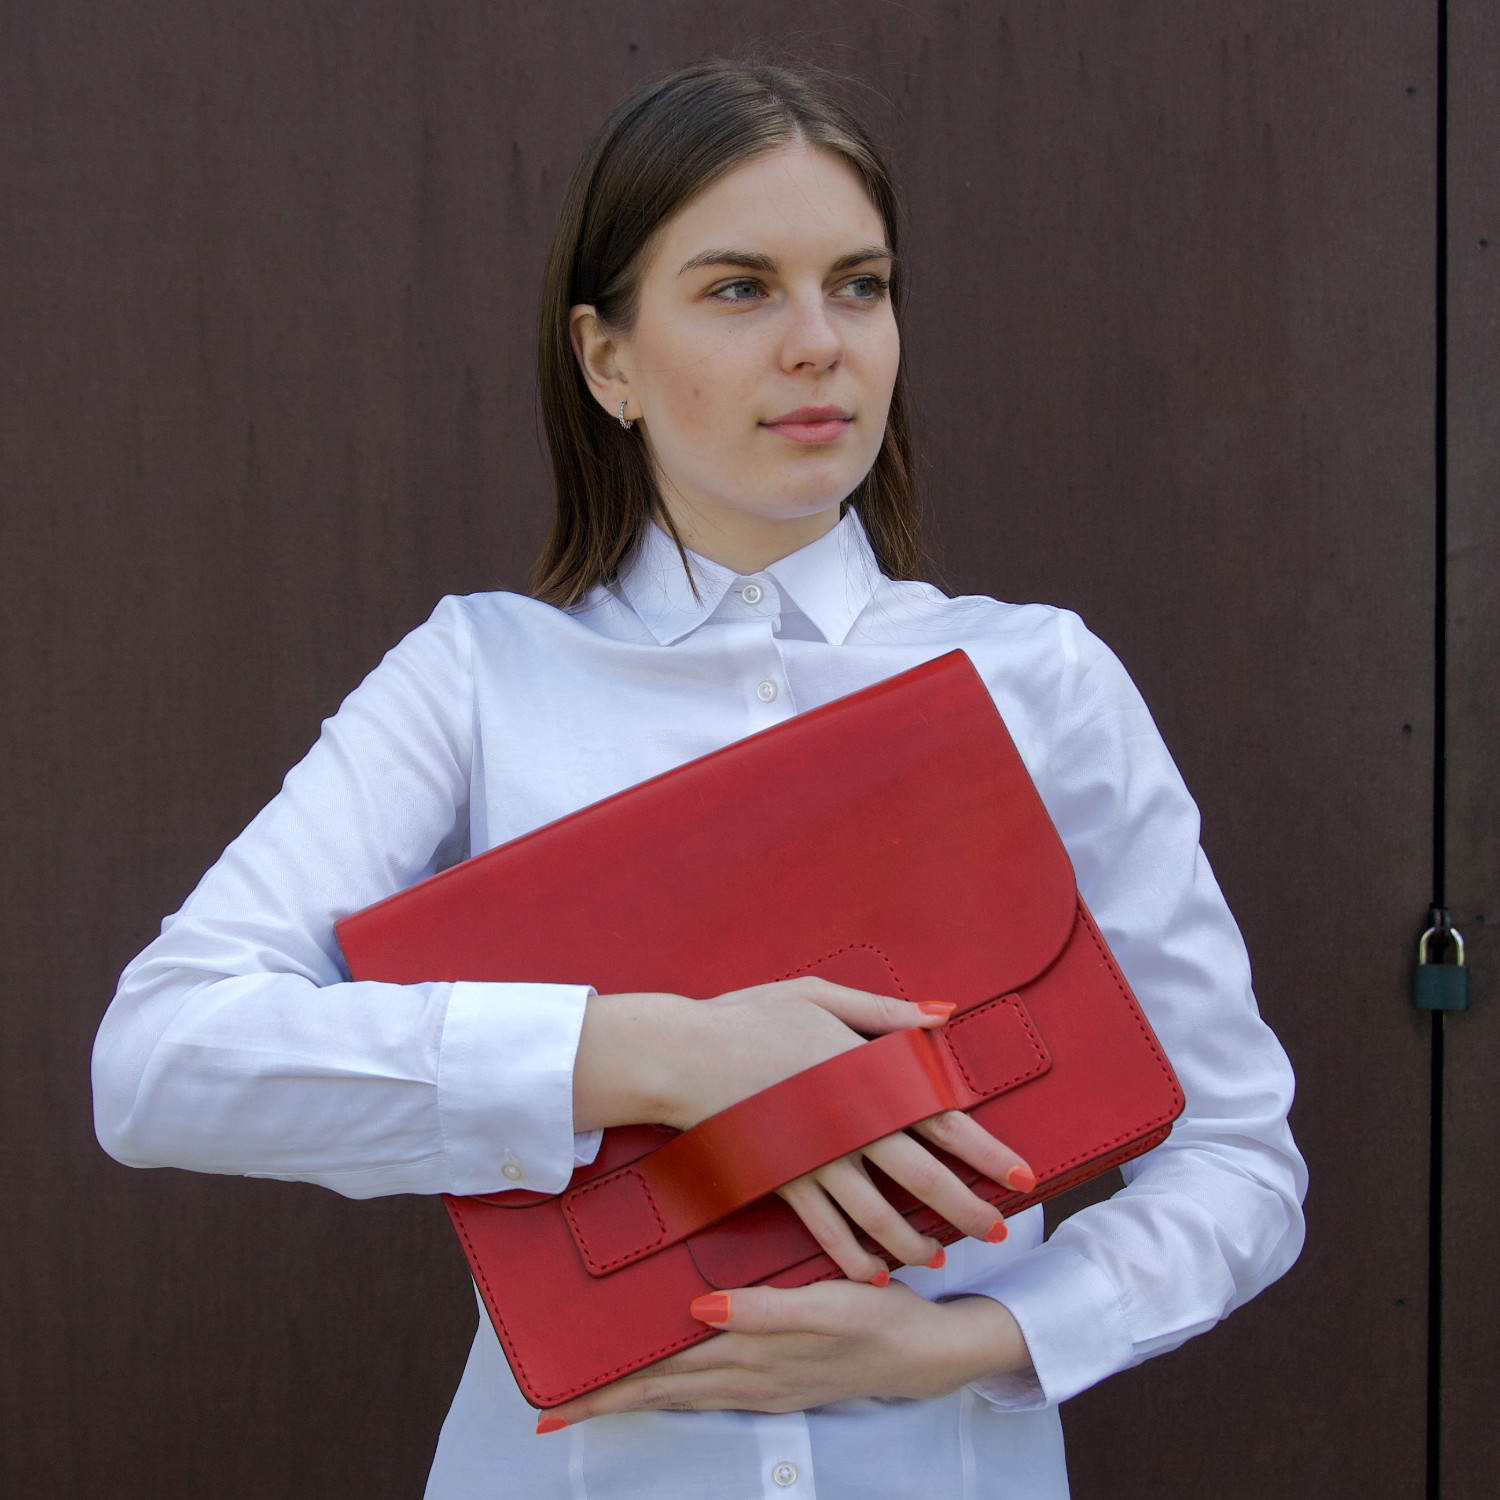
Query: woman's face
[(761, 364)]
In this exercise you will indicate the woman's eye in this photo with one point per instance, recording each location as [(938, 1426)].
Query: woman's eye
[(737, 291), (869, 288)]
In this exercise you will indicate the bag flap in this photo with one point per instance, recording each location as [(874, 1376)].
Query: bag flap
[(890, 828)]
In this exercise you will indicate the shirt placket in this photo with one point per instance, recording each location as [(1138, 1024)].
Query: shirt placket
[(786, 1466), (757, 599)]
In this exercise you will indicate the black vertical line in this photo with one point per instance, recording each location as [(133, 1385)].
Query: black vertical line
[(1435, 1270), (1440, 474), (1439, 761)]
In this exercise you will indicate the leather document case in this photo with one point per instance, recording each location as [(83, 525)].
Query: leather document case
[(891, 840)]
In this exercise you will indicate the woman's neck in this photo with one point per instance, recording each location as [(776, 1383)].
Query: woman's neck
[(742, 540)]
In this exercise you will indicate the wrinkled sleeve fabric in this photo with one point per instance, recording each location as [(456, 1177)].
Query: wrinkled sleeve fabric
[(236, 1042), (1213, 1215)]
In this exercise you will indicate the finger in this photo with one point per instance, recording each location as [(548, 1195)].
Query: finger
[(693, 1360), (967, 1139), (872, 1015), (909, 1163), (828, 1308), (696, 1390), (846, 1182), (831, 1230)]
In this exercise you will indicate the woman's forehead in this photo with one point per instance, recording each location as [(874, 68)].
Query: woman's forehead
[(795, 200)]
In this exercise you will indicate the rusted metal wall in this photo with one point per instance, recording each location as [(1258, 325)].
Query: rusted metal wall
[(270, 276)]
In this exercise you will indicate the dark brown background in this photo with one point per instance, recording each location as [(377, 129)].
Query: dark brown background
[(269, 282)]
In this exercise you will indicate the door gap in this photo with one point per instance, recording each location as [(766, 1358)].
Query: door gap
[(1439, 760)]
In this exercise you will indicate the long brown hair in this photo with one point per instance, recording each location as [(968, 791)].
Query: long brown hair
[(662, 146)]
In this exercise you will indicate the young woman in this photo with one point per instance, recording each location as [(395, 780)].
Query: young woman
[(735, 542)]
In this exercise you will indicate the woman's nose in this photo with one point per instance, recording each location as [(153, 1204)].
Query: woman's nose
[(812, 339)]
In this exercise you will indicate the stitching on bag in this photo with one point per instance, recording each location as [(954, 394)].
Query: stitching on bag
[(514, 1355), (1146, 1036), (600, 1268), (1133, 1146), (1140, 1020), (1016, 1005), (1156, 1121), (839, 953)]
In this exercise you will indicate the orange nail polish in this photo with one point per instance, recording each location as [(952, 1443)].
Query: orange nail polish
[(551, 1424), (937, 1007), (881, 1278), (1020, 1179), (940, 1259), (996, 1232), (713, 1307)]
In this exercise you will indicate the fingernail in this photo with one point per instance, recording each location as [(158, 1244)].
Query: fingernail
[(551, 1424), (937, 1007), (1020, 1179), (996, 1232), (940, 1259), (710, 1308)]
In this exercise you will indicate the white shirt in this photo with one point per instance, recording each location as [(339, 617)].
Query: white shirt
[(236, 1043)]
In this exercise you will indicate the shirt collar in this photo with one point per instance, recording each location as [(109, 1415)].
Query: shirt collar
[(830, 580)]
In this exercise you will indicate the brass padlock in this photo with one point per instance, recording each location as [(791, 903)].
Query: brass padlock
[(1441, 986)]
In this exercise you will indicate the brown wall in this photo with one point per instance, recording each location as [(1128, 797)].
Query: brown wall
[(269, 286)]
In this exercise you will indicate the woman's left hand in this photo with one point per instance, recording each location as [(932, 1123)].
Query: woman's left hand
[(789, 1349)]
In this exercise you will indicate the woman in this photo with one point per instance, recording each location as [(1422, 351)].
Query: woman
[(735, 535)]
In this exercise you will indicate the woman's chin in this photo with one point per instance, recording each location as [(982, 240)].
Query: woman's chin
[(808, 492)]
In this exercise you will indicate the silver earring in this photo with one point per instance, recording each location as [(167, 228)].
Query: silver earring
[(623, 423)]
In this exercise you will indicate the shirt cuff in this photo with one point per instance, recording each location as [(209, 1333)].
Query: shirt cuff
[(1073, 1323), (505, 1086)]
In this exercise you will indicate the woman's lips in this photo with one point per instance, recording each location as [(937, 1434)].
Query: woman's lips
[(812, 424)]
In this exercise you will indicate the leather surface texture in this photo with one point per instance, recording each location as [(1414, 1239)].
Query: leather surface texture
[(891, 840)]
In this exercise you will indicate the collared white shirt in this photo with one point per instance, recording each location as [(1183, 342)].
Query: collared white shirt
[(236, 1043)]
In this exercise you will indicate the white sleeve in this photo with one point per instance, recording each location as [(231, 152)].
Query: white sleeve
[(1213, 1214), (236, 1042)]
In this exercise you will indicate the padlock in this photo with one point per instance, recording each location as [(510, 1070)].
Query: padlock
[(1441, 986)]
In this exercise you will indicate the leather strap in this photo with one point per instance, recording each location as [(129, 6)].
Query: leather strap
[(753, 1147)]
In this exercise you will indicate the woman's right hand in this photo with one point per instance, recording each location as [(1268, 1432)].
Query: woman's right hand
[(663, 1059)]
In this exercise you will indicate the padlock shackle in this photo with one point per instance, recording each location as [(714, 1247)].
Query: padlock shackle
[(1449, 932)]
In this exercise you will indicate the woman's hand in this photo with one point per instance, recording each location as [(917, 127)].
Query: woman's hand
[(663, 1059), (846, 1184), (787, 1350)]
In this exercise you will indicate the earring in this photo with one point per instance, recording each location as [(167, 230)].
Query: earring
[(623, 423)]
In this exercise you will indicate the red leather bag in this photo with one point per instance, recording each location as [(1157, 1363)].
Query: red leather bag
[(891, 840)]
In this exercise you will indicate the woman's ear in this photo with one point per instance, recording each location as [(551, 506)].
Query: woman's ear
[(598, 354)]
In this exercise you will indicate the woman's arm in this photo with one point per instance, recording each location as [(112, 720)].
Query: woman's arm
[(1213, 1215), (235, 1042)]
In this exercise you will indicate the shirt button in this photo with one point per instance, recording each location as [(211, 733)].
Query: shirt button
[(513, 1171), (766, 692), (784, 1474), (751, 593)]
